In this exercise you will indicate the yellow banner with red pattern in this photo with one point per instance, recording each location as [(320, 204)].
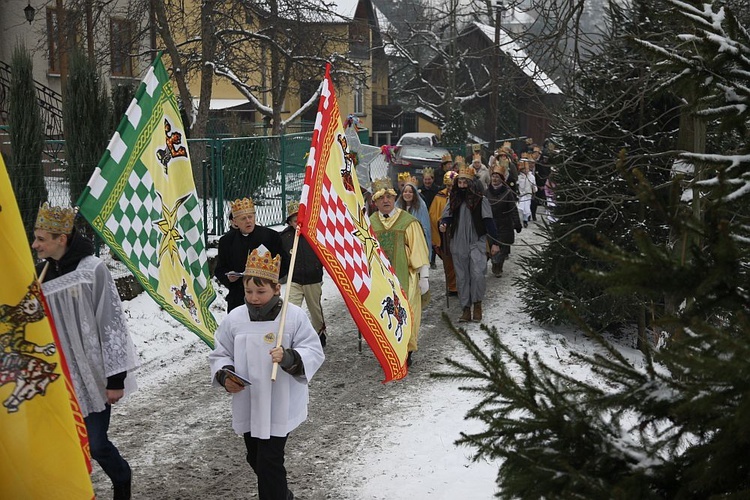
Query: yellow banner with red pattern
[(43, 445)]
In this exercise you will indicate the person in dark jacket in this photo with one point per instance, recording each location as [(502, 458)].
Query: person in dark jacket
[(505, 213), (307, 276), (235, 246)]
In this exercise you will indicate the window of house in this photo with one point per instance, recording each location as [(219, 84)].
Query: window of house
[(71, 34), (53, 59), (359, 98), (122, 34)]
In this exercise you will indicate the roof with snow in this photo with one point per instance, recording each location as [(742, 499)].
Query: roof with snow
[(314, 11), (509, 47)]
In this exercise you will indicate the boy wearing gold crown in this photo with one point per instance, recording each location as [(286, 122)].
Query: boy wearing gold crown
[(92, 329), (307, 278), (402, 239), (467, 218), (266, 411), (234, 247)]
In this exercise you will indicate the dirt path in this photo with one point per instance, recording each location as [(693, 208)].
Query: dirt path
[(176, 433)]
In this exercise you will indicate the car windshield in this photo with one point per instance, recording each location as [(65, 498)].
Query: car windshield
[(416, 141)]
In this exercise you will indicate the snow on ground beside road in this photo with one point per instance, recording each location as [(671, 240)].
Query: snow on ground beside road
[(411, 454)]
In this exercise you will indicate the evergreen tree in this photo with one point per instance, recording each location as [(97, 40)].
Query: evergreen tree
[(454, 133), (675, 424), (86, 117), (122, 96), (27, 139), (619, 105)]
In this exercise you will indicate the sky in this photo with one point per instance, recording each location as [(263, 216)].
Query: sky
[(411, 455)]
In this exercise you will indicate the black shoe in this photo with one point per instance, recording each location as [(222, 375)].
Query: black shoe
[(322, 337), (408, 358), (525, 223), (289, 495), (122, 491), (452, 294)]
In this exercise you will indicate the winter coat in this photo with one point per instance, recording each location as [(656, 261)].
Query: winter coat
[(504, 212), (307, 267), (232, 256)]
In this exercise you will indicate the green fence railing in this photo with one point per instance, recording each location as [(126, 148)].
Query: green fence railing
[(269, 169)]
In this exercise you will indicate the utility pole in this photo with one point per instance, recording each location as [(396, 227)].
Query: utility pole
[(494, 96)]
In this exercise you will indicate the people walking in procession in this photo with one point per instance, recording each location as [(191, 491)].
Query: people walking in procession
[(410, 201), (92, 331), (504, 212), (468, 219), (440, 241), (266, 411), (428, 191), (482, 172), (307, 277), (526, 189), (402, 239), (234, 247)]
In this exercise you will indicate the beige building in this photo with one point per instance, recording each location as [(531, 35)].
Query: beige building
[(351, 29)]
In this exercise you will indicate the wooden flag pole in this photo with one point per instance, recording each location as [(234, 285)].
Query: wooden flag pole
[(285, 302), (44, 272)]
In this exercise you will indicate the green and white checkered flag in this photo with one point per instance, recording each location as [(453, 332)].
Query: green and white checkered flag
[(142, 201)]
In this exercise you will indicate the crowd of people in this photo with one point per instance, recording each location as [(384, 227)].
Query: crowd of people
[(468, 219)]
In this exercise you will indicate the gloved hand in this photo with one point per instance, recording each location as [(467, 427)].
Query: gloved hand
[(424, 285), (518, 229)]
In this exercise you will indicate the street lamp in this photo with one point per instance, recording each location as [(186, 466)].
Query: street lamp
[(29, 12)]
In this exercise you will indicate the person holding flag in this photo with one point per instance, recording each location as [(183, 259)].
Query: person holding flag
[(266, 411), (92, 329), (403, 241)]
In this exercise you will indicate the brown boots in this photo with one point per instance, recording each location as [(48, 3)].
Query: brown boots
[(466, 316), (477, 311)]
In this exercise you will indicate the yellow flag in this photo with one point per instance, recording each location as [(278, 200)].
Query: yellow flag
[(43, 443)]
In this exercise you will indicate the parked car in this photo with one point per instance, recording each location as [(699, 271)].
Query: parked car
[(414, 159), (418, 139)]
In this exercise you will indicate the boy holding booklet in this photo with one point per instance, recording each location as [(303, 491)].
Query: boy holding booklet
[(265, 412)]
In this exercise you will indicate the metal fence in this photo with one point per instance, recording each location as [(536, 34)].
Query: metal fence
[(269, 169)]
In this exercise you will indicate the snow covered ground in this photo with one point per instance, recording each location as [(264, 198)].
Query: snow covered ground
[(402, 446)]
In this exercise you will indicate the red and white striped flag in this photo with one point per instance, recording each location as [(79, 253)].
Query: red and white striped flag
[(333, 218)]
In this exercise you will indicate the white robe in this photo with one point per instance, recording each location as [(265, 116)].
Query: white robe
[(266, 408), (93, 331)]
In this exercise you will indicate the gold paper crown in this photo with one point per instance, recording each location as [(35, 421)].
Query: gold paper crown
[(460, 161), (292, 208), (477, 156), (242, 207), (501, 168), (404, 176), (506, 145), (56, 220), (446, 158), (428, 171), (261, 264), (529, 140), (466, 172), (448, 177), (380, 186)]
